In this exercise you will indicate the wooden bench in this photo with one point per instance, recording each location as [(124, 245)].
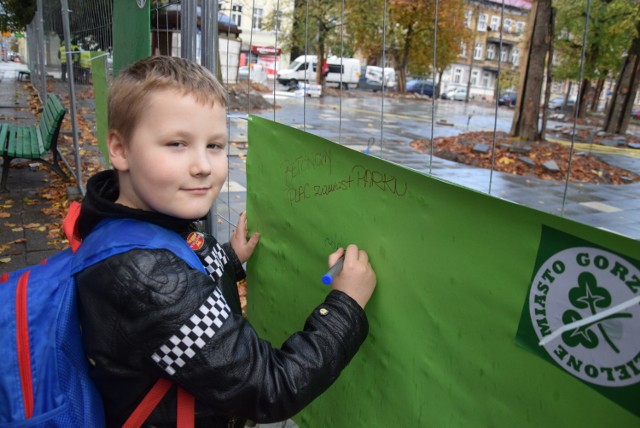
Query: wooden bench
[(33, 141)]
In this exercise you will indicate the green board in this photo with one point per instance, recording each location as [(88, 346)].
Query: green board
[(454, 270), (131, 33), (100, 91)]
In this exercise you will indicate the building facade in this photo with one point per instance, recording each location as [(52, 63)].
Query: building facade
[(498, 43), (260, 46)]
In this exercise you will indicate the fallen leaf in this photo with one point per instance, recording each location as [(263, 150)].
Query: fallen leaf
[(5, 260), (5, 215)]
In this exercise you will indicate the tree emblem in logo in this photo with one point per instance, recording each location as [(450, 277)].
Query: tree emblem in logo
[(588, 295), (583, 307)]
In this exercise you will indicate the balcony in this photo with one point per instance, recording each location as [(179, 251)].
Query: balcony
[(509, 37)]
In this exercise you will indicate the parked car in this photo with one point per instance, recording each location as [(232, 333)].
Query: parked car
[(343, 72), (508, 99), (457, 94), (557, 103), (420, 86), (371, 78)]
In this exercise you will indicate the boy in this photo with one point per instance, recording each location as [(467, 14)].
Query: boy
[(166, 141)]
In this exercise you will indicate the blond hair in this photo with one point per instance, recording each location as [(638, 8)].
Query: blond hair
[(131, 89)]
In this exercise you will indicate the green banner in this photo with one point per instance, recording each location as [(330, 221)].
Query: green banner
[(454, 269), (100, 90), (131, 33)]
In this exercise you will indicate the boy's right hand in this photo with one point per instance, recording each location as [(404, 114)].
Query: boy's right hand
[(357, 278)]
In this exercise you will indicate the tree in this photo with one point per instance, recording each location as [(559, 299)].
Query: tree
[(609, 26), (16, 14), (619, 112), (321, 33), (527, 111), (407, 33)]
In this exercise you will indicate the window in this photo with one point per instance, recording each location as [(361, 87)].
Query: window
[(236, 14), (482, 22), (256, 24), (491, 51), (519, 27), (485, 79), (507, 25), (495, 23), (467, 18), (474, 77), (457, 75), (278, 20), (463, 49), (503, 55), (477, 52), (336, 68), (515, 56)]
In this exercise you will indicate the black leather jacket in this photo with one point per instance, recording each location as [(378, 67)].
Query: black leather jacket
[(137, 305)]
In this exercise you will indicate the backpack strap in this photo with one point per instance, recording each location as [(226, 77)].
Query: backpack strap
[(115, 236), (70, 225), (185, 411)]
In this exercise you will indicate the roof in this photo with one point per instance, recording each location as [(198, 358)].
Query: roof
[(522, 4)]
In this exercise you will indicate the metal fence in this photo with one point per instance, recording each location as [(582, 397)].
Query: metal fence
[(226, 46)]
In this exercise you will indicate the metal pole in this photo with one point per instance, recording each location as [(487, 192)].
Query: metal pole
[(209, 57), (209, 34), (72, 90), (188, 20), (41, 48)]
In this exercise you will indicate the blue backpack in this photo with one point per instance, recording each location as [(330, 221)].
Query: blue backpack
[(44, 377)]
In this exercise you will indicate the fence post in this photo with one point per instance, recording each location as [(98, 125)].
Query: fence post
[(188, 18), (41, 47), (209, 56), (64, 4)]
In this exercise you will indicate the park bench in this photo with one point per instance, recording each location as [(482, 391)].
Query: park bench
[(33, 141)]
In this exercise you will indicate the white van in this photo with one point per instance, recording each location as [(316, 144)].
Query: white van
[(373, 75), (345, 71)]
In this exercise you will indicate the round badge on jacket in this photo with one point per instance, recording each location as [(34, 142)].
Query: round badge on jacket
[(195, 240)]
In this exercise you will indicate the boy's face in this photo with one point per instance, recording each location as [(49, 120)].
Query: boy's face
[(175, 162)]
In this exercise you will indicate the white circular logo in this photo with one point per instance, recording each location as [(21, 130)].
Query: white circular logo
[(580, 283)]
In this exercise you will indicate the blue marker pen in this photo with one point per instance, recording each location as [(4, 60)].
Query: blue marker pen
[(327, 278)]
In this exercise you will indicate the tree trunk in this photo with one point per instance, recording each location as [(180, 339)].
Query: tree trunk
[(619, 111), (526, 115), (547, 89), (583, 101), (597, 94), (404, 60)]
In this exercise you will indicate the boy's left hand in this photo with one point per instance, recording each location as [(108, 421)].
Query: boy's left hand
[(243, 247)]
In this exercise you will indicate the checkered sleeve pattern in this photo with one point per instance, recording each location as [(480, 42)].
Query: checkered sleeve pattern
[(214, 262), (194, 334)]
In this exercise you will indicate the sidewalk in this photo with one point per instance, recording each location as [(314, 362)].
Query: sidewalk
[(23, 226)]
